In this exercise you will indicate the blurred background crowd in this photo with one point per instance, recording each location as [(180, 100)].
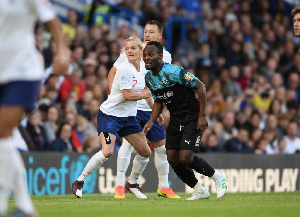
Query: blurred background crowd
[(249, 62)]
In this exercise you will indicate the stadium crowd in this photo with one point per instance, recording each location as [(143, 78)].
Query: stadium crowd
[(250, 66)]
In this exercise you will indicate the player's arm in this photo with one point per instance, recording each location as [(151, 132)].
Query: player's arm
[(150, 99), (156, 111), (110, 77), (160, 118), (129, 95), (201, 91), (61, 54), (113, 70)]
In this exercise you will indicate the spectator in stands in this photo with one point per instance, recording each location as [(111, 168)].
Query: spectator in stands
[(37, 131), (69, 28), (283, 122), (293, 84), (63, 143), (263, 101), (89, 66), (247, 99), (72, 82), (213, 144), (261, 146), (76, 57), (83, 105), (215, 96), (52, 123), (254, 122), (291, 139), (234, 85), (229, 130), (255, 137), (239, 144), (76, 140)]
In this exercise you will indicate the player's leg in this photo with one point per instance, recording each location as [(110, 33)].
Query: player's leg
[(95, 162), (190, 142), (157, 137), (123, 161), (11, 163), (173, 146), (162, 167), (140, 162), (107, 138), (13, 103)]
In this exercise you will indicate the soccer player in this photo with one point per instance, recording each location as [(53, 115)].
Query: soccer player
[(296, 20), (118, 115), (152, 32), (21, 69), (174, 86)]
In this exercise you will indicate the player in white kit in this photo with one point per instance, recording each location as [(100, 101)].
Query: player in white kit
[(152, 32), (118, 115), (21, 69)]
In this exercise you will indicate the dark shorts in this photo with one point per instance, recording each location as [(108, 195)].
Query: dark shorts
[(157, 132), (123, 126), (183, 137), (19, 93)]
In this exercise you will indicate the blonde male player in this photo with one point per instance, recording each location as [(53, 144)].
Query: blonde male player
[(21, 69), (152, 32)]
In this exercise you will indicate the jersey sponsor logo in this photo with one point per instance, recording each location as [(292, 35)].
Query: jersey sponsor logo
[(188, 77), (166, 95)]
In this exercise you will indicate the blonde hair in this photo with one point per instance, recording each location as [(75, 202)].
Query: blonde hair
[(137, 40)]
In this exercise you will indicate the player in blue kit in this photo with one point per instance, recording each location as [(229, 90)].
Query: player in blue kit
[(174, 86), (21, 69), (117, 115)]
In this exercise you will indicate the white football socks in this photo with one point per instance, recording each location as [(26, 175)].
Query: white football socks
[(138, 166), (162, 167), (11, 167), (94, 163), (216, 175), (199, 187), (123, 161), (20, 190)]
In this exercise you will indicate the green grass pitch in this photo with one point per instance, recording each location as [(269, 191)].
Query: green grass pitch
[(239, 205)]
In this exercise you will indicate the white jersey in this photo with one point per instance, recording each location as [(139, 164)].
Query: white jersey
[(142, 104), (19, 58), (127, 77)]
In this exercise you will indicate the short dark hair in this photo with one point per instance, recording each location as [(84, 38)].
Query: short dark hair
[(157, 23), (157, 45), (295, 11)]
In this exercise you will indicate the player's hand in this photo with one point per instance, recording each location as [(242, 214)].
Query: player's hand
[(147, 127), (61, 62), (202, 123), (160, 120)]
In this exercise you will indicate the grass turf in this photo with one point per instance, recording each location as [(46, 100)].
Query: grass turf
[(239, 205)]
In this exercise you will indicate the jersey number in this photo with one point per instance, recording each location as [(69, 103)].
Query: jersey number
[(135, 82)]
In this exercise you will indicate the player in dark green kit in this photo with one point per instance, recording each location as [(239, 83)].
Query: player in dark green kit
[(174, 86)]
